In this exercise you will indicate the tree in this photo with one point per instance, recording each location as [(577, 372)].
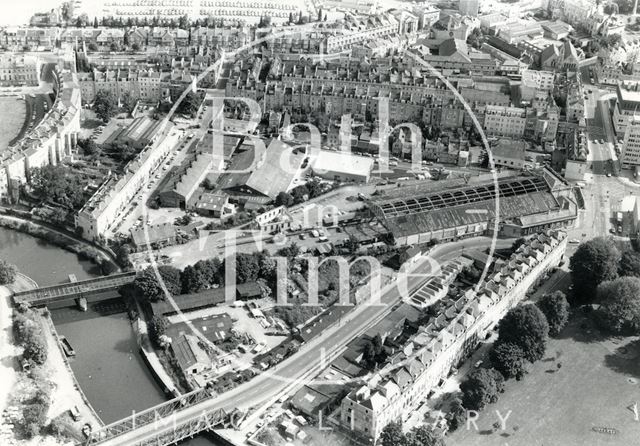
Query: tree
[(526, 327), (135, 46), (92, 47), (624, 6), (481, 388), (373, 352), (67, 11), (423, 436), (315, 188), (290, 251), (620, 304), (82, 20), (35, 348), (457, 414), (88, 146), (190, 104), (105, 105), (247, 267), (183, 22), (158, 328), (146, 284), (34, 418), (59, 185), (300, 194), (629, 263), (594, 262), (508, 359), (204, 274), (95, 22), (122, 255), (556, 309), (284, 199), (7, 272), (392, 435)]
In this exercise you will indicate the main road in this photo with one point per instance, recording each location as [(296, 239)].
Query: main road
[(268, 385)]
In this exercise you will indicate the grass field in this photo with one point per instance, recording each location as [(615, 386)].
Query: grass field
[(12, 114), (598, 380)]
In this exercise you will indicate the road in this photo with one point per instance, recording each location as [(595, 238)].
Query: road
[(266, 386), (604, 186)]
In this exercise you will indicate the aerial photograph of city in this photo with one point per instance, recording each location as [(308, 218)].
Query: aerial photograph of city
[(320, 223)]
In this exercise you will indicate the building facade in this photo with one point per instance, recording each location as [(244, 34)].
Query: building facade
[(446, 340)]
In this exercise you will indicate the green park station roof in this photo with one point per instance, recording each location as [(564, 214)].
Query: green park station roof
[(422, 210)]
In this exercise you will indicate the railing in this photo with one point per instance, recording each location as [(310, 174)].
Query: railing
[(148, 416), (64, 291)]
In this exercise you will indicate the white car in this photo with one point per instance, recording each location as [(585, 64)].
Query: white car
[(574, 241)]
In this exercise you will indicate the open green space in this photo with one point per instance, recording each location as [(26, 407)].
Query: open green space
[(583, 387), (12, 118)]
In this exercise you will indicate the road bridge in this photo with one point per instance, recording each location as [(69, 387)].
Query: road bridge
[(70, 291)]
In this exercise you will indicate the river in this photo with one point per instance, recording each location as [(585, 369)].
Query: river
[(107, 365)]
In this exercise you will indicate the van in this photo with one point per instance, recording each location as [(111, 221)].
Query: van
[(75, 413)]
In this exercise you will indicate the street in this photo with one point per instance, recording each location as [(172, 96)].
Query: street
[(267, 385)]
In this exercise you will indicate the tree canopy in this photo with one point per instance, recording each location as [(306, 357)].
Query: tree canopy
[(146, 284), (594, 262), (556, 309), (190, 104), (526, 327), (7, 272), (105, 105), (284, 199), (202, 275), (620, 304), (629, 263), (158, 328), (88, 146), (508, 359), (481, 387), (392, 435), (457, 414), (59, 185)]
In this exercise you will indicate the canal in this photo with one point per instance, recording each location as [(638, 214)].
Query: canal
[(107, 365)]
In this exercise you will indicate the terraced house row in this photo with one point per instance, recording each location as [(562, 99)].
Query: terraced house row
[(49, 142), (429, 356)]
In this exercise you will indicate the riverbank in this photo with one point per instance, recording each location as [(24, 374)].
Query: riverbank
[(9, 364), (82, 248), (65, 392)]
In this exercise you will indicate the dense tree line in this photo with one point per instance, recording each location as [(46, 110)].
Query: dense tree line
[(609, 277), (392, 435), (59, 185), (29, 335), (203, 275), (522, 339)]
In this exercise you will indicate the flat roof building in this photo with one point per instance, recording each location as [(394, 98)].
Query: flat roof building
[(344, 167)]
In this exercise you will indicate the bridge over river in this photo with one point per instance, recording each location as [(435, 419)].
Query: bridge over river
[(56, 294)]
